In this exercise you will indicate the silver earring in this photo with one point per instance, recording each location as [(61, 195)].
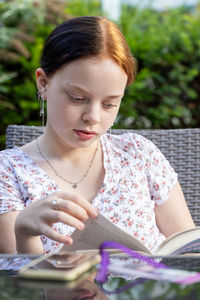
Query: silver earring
[(42, 110), (40, 98), (110, 129)]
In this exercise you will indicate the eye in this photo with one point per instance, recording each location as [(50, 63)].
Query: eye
[(109, 105), (78, 99)]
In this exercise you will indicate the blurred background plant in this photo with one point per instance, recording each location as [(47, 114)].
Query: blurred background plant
[(166, 92)]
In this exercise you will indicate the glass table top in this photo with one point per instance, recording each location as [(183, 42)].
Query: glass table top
[(11, 287)]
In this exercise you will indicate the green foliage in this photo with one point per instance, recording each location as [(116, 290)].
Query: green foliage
[(78, 8), (165, 93)]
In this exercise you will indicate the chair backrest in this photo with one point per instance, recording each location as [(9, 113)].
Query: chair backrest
[(180, 146)]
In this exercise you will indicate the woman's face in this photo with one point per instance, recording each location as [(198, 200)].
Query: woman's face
[(83, 99)]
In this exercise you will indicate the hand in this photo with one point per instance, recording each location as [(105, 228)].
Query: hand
[(37, 218)]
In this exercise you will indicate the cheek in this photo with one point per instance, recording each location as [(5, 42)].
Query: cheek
[(114, 114), (109, 118), (53, 111)]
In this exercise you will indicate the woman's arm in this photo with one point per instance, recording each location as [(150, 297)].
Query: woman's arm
[(7, 235), (21, 230), (173, 215)]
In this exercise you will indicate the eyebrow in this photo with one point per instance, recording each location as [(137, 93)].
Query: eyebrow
[(76, 87)]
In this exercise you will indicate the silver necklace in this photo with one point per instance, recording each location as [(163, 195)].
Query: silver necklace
[(74, 184)]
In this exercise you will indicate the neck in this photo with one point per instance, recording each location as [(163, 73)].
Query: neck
[(54, 147), (49, 160)]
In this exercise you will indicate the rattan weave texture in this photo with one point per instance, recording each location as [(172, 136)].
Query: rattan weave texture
[(180, 146)]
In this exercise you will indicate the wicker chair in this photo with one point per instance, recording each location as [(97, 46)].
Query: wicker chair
[(180, 146)]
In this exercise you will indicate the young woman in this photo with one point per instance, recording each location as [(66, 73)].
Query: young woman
[(75, 169)]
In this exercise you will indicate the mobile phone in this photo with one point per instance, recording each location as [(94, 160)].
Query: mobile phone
[(59, 267)]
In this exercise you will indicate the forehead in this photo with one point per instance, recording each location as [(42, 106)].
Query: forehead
[(94, 74)]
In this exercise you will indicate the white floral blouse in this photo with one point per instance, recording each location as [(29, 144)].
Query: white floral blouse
[(137, 177)]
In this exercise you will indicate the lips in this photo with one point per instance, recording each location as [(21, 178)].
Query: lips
[(85, 134)]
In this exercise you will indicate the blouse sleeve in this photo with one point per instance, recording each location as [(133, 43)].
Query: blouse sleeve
[(10, 195), (160, 174)]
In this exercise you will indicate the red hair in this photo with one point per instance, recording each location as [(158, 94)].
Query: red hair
[(87, 37), (116, 47)]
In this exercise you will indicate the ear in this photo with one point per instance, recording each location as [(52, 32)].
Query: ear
[(41, 80)]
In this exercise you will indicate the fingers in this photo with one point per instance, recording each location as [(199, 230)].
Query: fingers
[(54, 235), (80, 201), (67, 208), (63, 217), (71, 208)]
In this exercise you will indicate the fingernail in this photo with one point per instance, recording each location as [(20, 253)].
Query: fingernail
[(68, 240), (81, 226), (85, 217), (95, 214)]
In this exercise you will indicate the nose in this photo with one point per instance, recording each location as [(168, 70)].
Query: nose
[(91, 114)]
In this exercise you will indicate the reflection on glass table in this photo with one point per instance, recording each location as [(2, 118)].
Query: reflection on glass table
[(87, 288)]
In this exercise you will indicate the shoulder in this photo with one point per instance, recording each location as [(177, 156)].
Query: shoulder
[(10, 158), (10, 154), (129, 142)]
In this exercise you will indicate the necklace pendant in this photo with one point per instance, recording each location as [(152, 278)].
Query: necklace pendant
[(74, 185)]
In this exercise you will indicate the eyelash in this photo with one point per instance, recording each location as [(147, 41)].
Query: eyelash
[(79, 100), (109, 106)]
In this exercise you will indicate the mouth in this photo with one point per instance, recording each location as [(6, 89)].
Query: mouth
[(86, 131), (85, 134)]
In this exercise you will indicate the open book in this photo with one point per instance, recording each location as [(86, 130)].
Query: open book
[(98, 230)]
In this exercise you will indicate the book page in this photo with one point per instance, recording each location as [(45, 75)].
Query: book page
[(97, 231), (186, 241)]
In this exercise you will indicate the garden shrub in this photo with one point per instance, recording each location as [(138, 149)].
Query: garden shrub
[(166, 91)]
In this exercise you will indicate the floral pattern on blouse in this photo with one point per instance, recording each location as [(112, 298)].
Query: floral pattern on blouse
[(137, 177)]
